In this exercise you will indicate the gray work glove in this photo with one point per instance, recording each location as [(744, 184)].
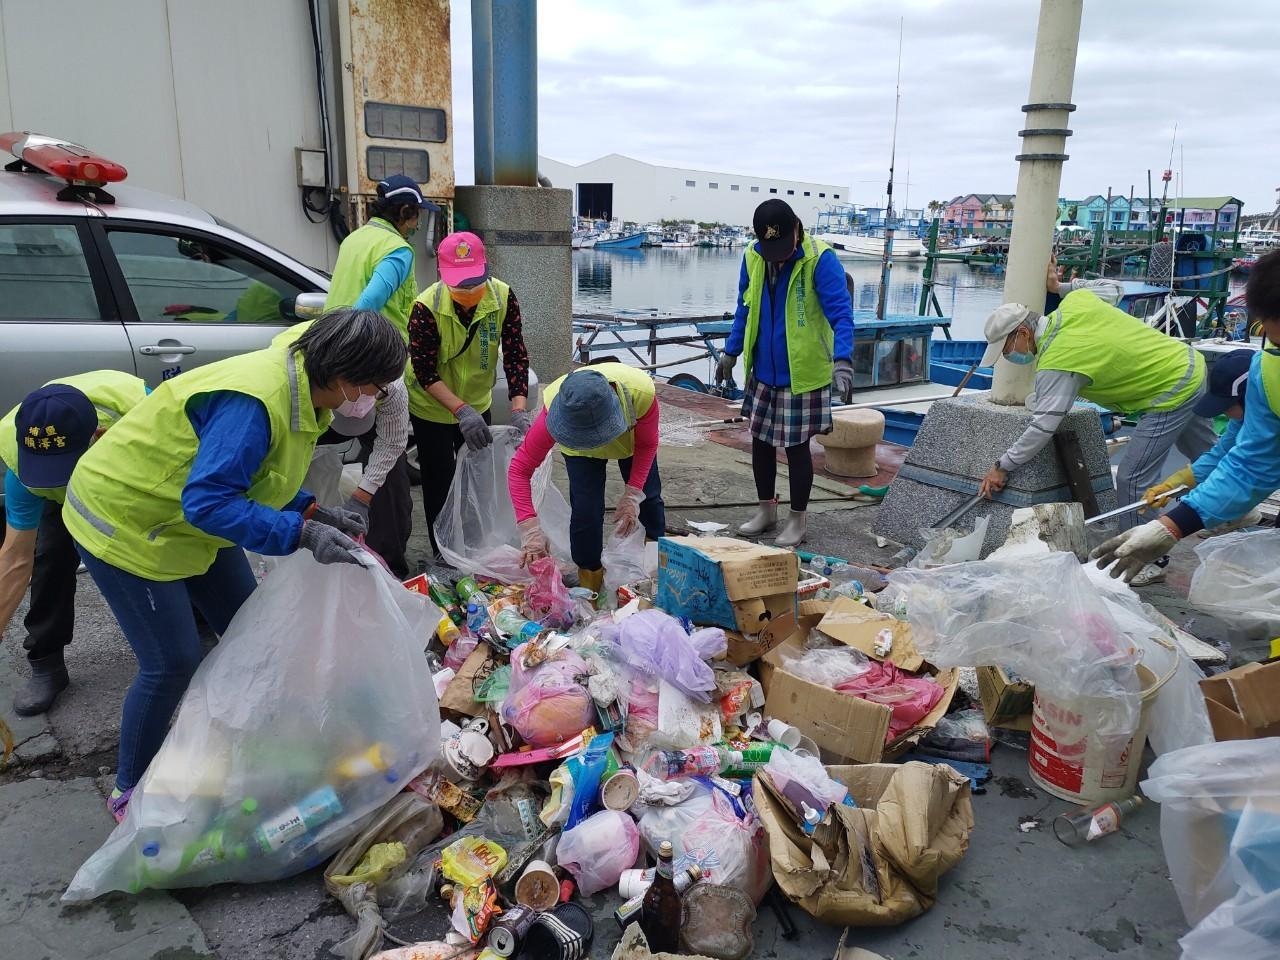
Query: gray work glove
[(842, 380), (522, 420), (724, 368), (329, 544), (355, 505), (474, 430), (353, 523)]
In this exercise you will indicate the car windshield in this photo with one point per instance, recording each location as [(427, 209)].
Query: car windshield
[(245, 233)]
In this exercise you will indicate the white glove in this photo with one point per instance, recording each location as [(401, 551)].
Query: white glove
[(533, 544), (626, 516), (1135, 548)]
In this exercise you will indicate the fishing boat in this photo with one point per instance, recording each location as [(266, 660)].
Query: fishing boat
[(632, 241), (678, 239), (849, 246), (582, 241)]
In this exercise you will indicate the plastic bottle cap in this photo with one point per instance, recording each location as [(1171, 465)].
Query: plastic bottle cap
[(151, 849), (249, 805)]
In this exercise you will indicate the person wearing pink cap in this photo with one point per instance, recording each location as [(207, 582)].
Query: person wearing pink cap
[(456, 328)]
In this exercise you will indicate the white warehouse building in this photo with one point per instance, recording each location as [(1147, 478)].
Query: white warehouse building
[(615, 186)]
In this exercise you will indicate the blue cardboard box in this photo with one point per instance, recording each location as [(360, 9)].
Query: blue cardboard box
[(722, 582)]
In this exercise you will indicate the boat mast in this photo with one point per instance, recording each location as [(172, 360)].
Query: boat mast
[(886, 261)]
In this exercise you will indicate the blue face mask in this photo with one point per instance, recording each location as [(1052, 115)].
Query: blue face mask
[(1021, 359)]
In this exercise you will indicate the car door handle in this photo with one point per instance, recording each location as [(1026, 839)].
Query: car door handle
[(156, 349)]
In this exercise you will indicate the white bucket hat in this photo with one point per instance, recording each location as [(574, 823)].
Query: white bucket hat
[(1005, 319)]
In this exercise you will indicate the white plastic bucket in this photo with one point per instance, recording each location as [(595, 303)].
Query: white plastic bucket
[(1069, 760)]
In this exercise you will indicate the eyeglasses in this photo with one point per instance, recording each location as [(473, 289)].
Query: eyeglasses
[(382, 393)]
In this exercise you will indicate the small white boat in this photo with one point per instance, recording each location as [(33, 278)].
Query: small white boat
[(677, 240), (582, 241), (853, 246)]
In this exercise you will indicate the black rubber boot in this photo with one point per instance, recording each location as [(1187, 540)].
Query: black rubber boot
[(48, 679)]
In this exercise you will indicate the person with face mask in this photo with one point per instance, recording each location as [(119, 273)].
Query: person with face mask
[(1244, 469), (794, 327), (1088, 347), (456, 329), (210, 464), (41, 440), (375, 272)]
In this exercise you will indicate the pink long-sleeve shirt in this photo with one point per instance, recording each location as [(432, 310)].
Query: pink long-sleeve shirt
[(538, 444)]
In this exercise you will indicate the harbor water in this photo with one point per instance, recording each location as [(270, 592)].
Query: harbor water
[(703, 282)]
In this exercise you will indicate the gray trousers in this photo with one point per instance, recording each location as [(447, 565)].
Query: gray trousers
[(1142, 465)]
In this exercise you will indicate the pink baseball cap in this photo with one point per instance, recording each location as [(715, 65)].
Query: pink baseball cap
[(461, 260)]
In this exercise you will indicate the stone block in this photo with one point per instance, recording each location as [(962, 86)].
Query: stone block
[(526, 236), (851, 444), (958, 443)]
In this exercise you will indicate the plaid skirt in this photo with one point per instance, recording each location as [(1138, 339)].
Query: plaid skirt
[(781, 418)]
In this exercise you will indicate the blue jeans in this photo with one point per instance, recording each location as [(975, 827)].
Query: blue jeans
[(586, 507), (156, 619)]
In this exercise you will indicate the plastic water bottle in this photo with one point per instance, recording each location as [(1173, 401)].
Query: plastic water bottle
[(478, 623), (694, 762), (517, 628), (306, 815)]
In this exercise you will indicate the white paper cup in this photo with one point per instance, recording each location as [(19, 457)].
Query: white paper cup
[(784, 734)]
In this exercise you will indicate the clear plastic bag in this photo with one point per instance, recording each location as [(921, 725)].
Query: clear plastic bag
[(1040, 616), (598, 849), (314, 710), (476, 530), (324, 476), (623, 561), (654, 644), (808, 774), (660, 822), (547, 599), (827, 666), (1220, 823), (1238, 580), (546, 704), (732, 852)]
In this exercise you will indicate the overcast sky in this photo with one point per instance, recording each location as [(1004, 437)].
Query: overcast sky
[(805, 91)]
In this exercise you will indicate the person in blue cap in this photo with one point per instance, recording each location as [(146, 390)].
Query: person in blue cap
[(41, 440), (1247, 468)]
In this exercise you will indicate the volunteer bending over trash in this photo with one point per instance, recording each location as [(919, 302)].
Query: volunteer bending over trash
[(1088, 347), (794, 326), (455, 330), (375, 272), (163, 507), (41, 440), (604, 412), (1248, 470)]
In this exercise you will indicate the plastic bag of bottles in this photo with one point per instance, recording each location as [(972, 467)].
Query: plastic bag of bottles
[(476, 530), (1238, 580), (313, 711)]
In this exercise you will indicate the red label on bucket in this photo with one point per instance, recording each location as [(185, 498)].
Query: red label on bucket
[(1078, 768)]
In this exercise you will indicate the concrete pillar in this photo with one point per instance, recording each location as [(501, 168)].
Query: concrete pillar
[(1039, 175), (526, 235)]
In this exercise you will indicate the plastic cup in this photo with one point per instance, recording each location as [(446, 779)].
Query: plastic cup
[(784, 734)]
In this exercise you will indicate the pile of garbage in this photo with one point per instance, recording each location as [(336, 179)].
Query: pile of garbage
[(549, 745)]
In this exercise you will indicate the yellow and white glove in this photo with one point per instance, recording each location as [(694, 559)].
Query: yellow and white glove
[(1136, 547), (1158, 496)]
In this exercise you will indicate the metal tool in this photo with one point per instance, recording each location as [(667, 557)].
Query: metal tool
[(1136, 505), (958, 512)]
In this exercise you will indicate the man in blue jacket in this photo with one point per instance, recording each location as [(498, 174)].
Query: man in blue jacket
[(1247, 467), (794, 328)]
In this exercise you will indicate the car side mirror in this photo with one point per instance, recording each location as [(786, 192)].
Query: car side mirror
[(308, 306)]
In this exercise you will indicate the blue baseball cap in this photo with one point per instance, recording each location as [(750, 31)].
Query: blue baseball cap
[(405, 190), (586, 413), (1227, 382), (55, 426)]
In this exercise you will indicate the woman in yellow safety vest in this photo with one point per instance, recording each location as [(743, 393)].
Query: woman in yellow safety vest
[(455, 331), (209, 465)]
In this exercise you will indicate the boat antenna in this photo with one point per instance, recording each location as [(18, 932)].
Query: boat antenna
[(886, 261)]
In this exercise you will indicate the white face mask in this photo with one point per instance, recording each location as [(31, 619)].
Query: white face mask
[(359, 408)]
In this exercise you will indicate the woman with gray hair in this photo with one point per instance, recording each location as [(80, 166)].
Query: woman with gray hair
[(209, 465)]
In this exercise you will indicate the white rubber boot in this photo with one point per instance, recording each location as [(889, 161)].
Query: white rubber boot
[(765, 519), (793, 533)]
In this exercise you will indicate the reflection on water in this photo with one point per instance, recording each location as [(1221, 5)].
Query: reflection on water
[(701, 281)]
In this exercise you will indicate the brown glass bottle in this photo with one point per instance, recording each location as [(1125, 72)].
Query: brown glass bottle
[(660, 911)]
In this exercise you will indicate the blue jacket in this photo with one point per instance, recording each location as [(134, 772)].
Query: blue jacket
[(1241, 471), (770, 365)]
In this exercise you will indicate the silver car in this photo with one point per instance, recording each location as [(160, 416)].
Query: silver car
[(150, 285)]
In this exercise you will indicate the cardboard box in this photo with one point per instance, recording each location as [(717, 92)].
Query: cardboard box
[(1244, 703), (721, 582), (841, 724), (859, 627), (744, 649), (1005, 703), (459, 695)]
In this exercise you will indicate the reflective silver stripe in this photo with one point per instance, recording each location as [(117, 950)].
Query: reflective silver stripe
[(439, 298), (90, 517), (1055, 327), (156, 531), (112, 415), (628, 408), (295, 410), (1181, 384)]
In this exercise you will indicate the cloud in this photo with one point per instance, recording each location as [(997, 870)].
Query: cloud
[(787, 91)]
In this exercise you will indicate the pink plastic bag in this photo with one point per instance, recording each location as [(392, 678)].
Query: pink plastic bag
[(910, 697), (546, 704), (598, 849), (547, 599)]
